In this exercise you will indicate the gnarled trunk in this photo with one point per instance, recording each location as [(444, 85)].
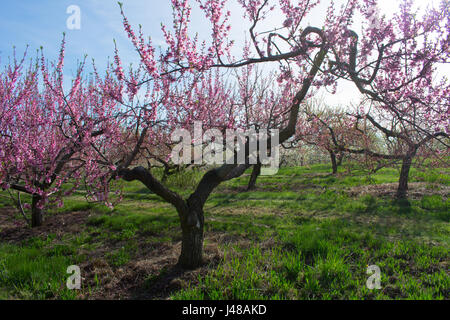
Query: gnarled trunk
[(36, 212), (402, 191), (192, 225), (256, 172)]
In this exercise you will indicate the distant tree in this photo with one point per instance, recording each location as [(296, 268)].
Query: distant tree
[(395, 66), (265, 105), (47, 135), (330, 130)]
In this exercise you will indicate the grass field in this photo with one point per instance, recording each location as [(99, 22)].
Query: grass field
[(302, 234)]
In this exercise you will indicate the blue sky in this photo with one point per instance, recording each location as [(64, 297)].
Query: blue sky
[(42, 23)]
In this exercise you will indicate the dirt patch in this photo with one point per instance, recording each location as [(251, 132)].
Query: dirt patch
[(14, 231), (158, 275), (270, 187), (416, 190), (154, 276), (152, 273)]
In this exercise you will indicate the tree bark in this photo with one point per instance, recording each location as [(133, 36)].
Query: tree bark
[(340, 157), (36, 212), (402, 191), (192, 225), (255, 174), (334, 162)]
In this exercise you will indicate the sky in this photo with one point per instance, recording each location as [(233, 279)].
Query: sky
[(42, 22)]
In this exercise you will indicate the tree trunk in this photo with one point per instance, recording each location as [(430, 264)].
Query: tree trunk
[(36, 213), (192, 238), (340, 157), (165, 173), (402, 191), (334, 162), (255, 174)]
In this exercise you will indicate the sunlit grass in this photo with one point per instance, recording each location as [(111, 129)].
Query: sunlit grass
[(299, 235)]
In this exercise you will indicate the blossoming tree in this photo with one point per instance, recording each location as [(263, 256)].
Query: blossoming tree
[(48, 136), (300, 51), (395, 64), (106, 124)]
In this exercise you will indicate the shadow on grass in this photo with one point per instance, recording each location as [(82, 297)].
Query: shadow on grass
[(161, 285)]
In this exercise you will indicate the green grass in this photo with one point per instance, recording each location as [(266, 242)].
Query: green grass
[(325, 260), (36, 270), (299, 235)]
